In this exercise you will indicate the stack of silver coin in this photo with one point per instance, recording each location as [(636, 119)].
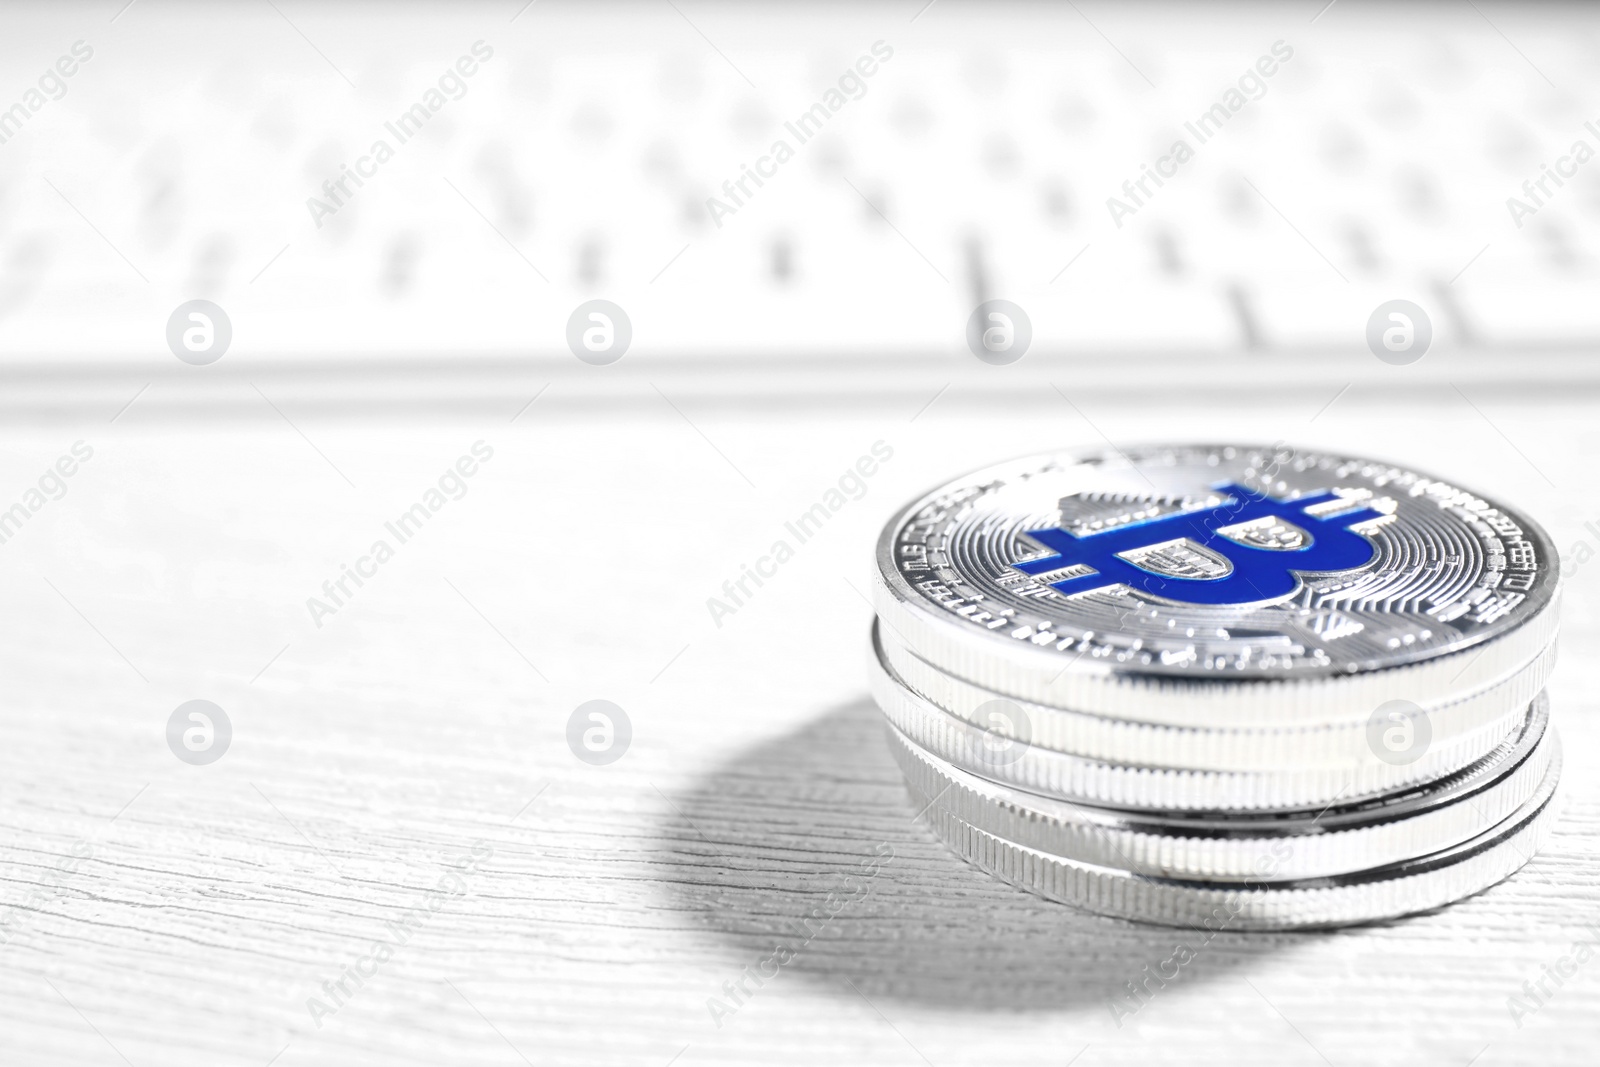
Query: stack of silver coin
[(1223, 686)]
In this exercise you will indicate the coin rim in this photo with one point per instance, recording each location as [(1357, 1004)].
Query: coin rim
[(1418, 885), (1189, 745), (1126, 784), (1229, 847)]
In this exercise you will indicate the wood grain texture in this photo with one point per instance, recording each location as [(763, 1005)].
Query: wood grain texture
[(158, 913)]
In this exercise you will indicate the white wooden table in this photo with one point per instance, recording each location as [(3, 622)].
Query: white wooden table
[(162, 913)]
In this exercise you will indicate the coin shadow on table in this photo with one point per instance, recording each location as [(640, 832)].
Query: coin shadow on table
[(760, 843)]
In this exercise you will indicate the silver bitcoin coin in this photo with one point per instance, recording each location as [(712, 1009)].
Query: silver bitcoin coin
[(1217, 584), (1287, 746), (1229, 847), (1222, 685), (1150, 767), (1404, 888)]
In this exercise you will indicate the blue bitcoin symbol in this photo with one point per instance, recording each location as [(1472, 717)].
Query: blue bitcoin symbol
[(1255, 574)]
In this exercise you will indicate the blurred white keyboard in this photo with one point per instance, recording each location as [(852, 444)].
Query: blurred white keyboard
[(976, 161)]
